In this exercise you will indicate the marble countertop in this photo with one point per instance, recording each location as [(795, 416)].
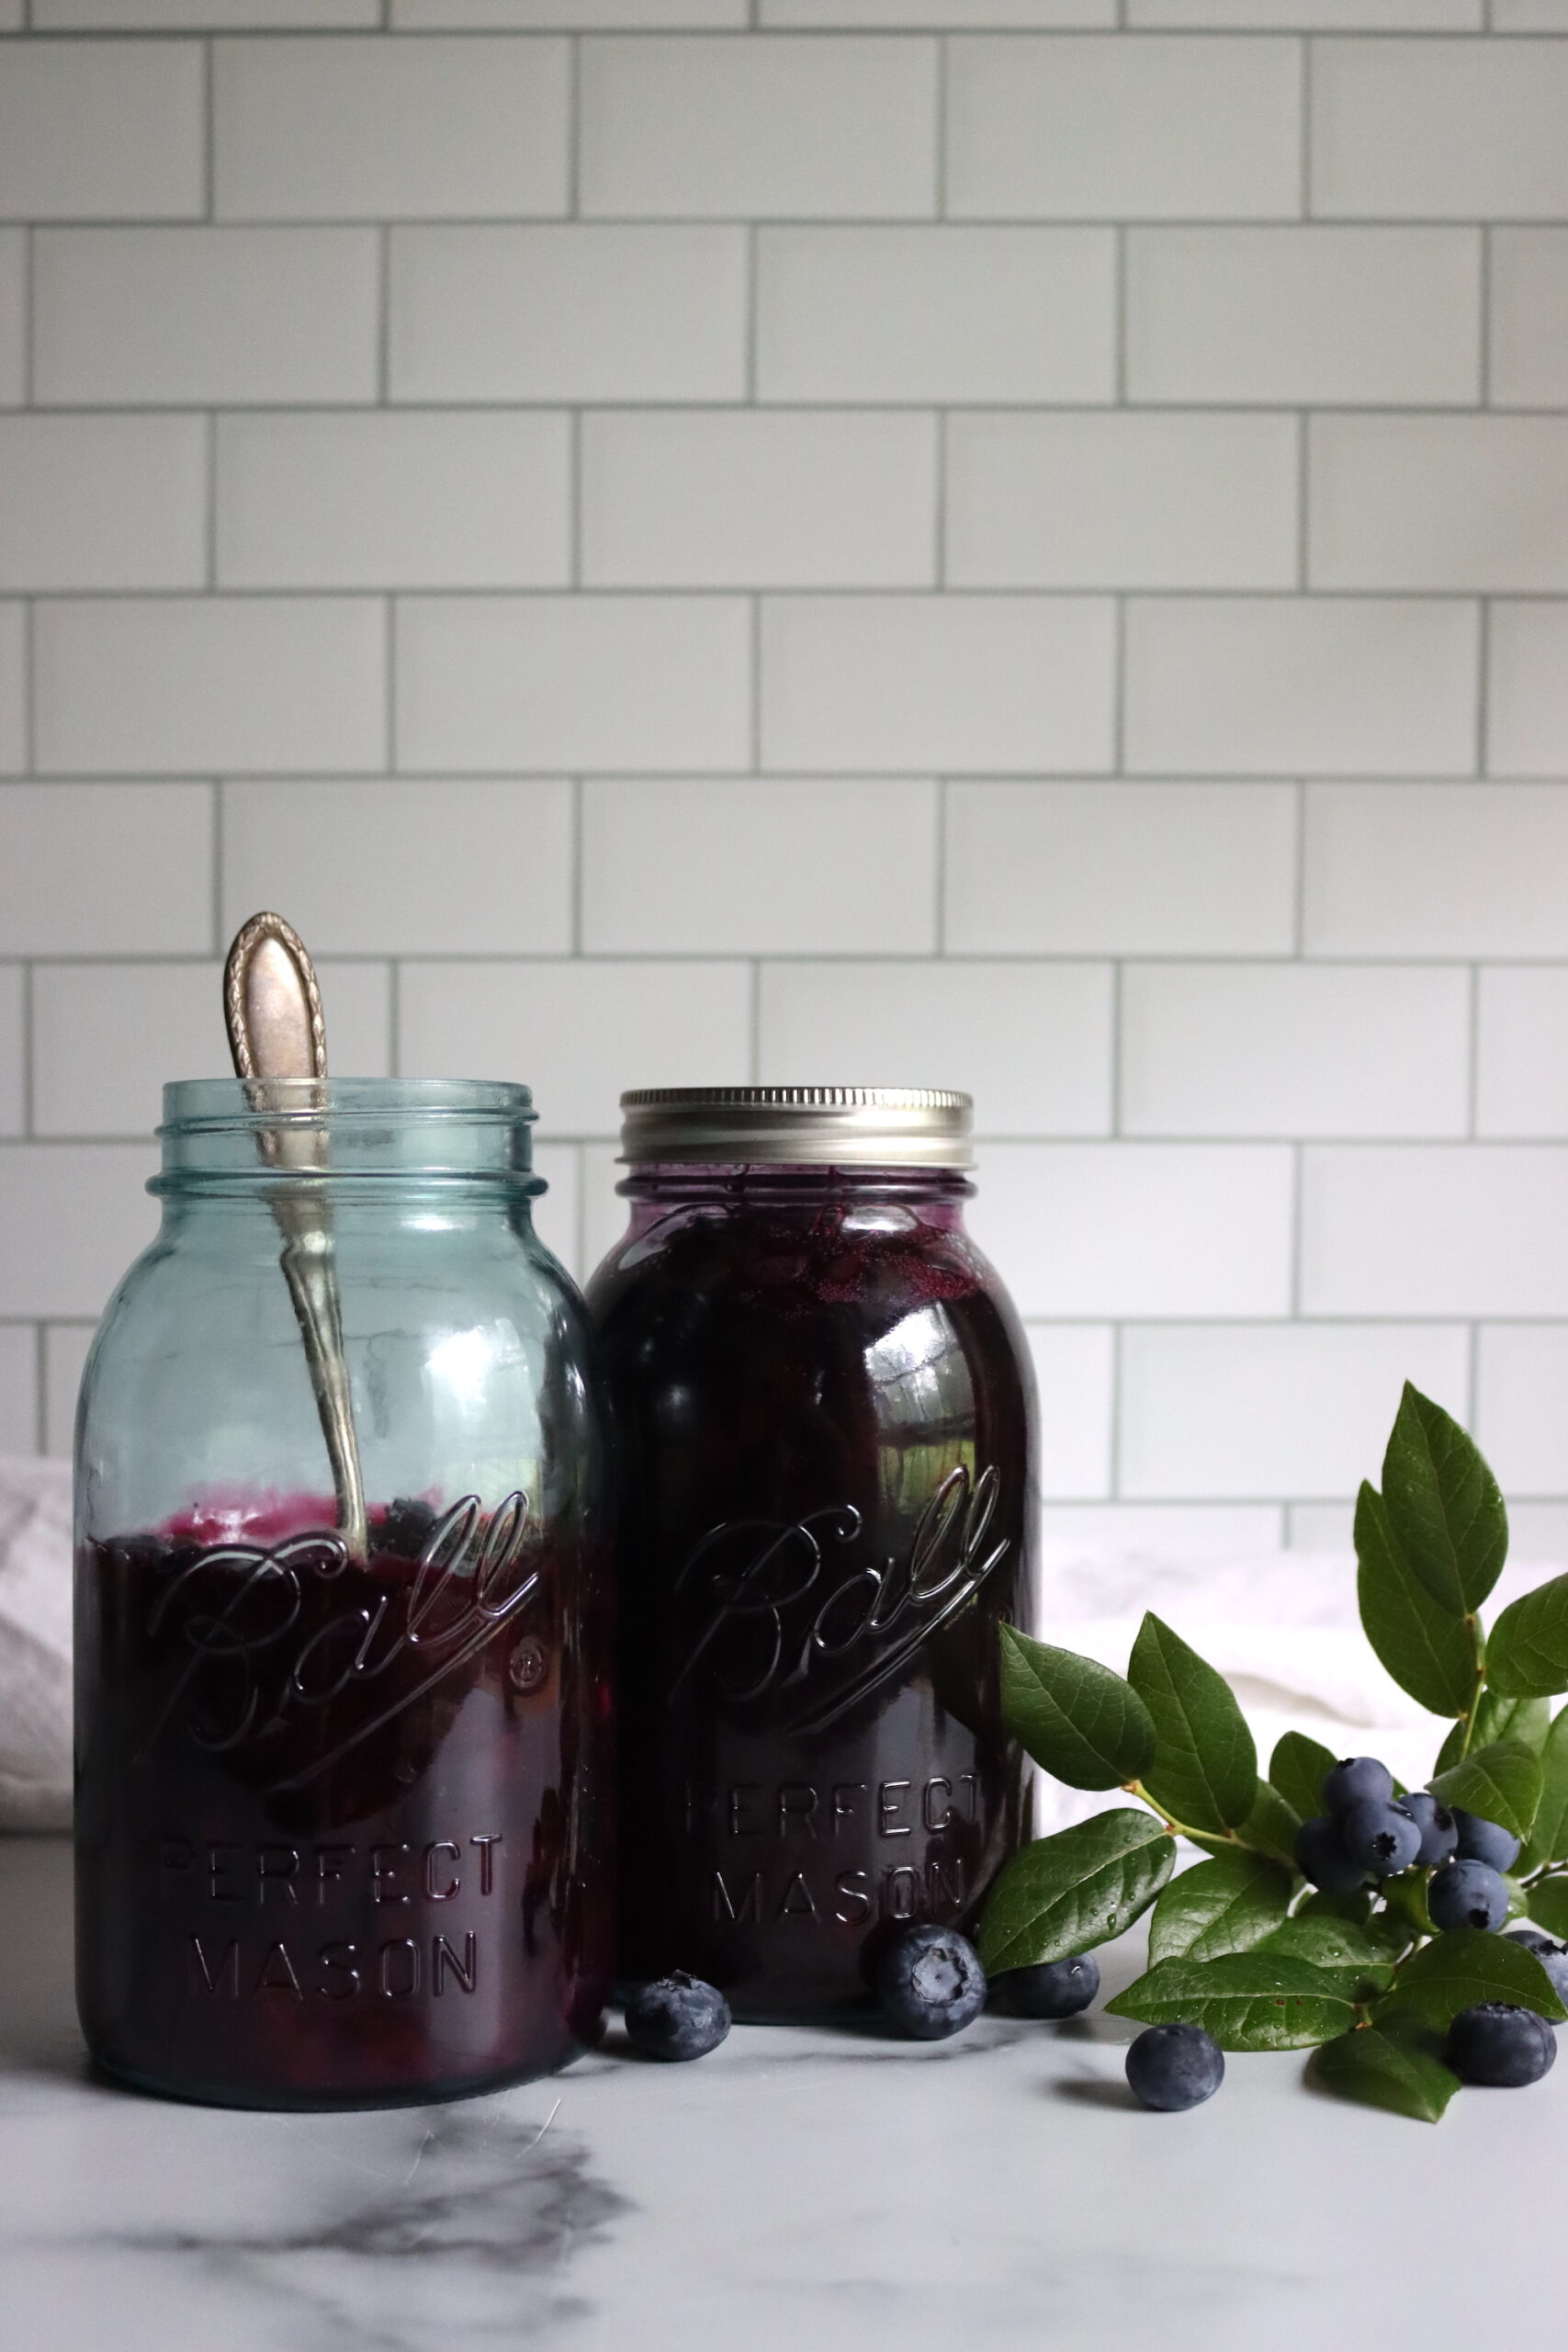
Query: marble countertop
[(841, 2191)]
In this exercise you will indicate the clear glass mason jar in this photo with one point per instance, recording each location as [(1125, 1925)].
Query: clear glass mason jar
[(826, 1505), (342, 1823)]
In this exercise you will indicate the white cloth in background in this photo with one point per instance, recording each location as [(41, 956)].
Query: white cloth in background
[(1281, 1627), (35, 1644)]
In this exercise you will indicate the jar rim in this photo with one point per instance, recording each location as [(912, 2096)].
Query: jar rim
[(876, 1126), (219, 1105)]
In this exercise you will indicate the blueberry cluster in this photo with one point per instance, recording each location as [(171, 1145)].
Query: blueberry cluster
[(1368, 1832)]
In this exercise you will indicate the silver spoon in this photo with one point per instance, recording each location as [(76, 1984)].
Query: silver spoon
[(273, 1010)]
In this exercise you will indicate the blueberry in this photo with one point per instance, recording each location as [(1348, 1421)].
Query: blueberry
[(1467, 1895), (1439, 1831), (1320, 1858), (1553, 1957), (1499, 2045), (1356, 1780), (1057, 1988), (929, 1983), (676, 2017), (1485, 1841), (1175, 2066), (1382, 1837)]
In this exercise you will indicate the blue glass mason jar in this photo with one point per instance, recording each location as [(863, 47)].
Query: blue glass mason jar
[(344, 1817)]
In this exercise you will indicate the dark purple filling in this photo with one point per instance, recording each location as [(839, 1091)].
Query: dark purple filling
[(342, 1832), (822, 1469)]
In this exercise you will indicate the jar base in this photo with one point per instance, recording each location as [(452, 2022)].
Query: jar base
[(345, 2101)]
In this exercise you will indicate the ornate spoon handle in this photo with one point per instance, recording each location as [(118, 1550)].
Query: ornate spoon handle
[(273, 1010)]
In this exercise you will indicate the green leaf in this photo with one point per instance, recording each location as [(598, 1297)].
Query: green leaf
[(1501, 1782), (1205, 1769), (1354, 1907), (1456, 1971), (1296, 1769), (1498, 1718), (1547, 1901), (1527, 1654), (1084, 1725), (1429, 1652), (1443, 1505), (1227, 1904), (1271, 1828), (1064, 1895), (1248, 2000), (1549, 1838), (1392, 2065), (1342, 1950)]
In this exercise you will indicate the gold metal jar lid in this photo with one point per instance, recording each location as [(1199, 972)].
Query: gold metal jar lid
[(867, 1127)]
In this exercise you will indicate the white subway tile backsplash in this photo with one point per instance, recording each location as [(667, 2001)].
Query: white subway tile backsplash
[(1521, 1077), (322, 129), (938, 15), (1111, 868), (419, 499), (1438, 502), (1526, 709), (1440, 129), (558, 1211), (1074, 1375), (1138, 1228), (569, 15), (182, 685), (13, 316), (107, 1036), (568, 314), (578, 1031), (766, 128), (603, 1212), (1529, 16), (13, 1050), (1104, 126), (1084, 498), (1189, 1533), (1226, 1409), (1435, 869), (18, 1377), (65, 1346), (389, 868), (96, 129), (1303, 314), (936, 314), (1529, 350), (1434, 1229), (1522, 1406), (740, 866), (1324, 16), (103, 501), (105, 869), (493, 683), (1289, 1049), (72, 1218), (202, 16), (766, 498), (1232, 686), (898, 683), (137, 317), (1030, 1042), (13, 688)]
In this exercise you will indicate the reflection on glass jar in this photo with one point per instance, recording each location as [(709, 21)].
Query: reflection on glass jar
[(825, 1484), (343, 1822)]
